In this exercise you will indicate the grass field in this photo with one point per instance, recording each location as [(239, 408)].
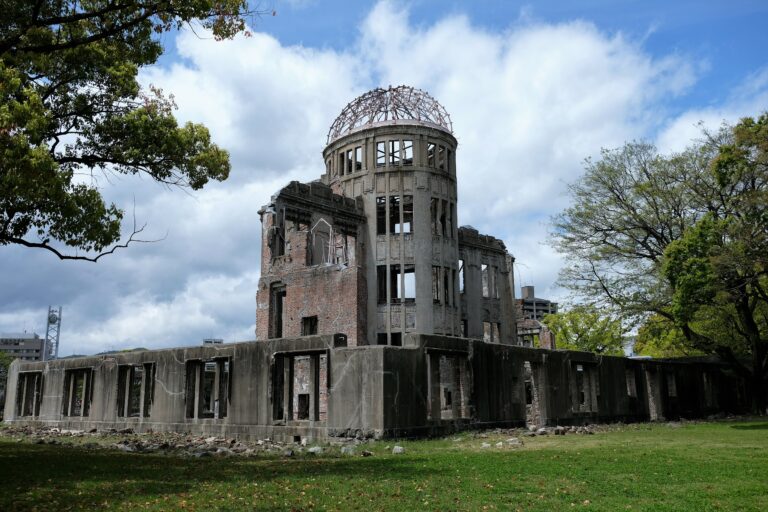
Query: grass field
[(696, 466)]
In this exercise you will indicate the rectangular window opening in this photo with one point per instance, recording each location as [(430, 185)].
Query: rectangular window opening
[(381, 154), (434, 206), (381, 215), (462, 283), (78, 392), (407, 224), (381, 338), (394, 152), (431, 155), (303, 412), (485, 278), (443, 219), (208, 388), (397, 339), (309, 325), (394, 214), (436, 284), (631, 383), (340, 160), (487, 331), (29, 393), (441, 158), (407, 152), (350, 165), (409, 281), (358, 158), (381, 283)]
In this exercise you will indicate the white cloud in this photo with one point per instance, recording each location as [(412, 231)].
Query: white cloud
[(528, 103), (750, 99)]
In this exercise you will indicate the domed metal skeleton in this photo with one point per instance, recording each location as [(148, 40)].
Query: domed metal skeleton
[(381, 106)]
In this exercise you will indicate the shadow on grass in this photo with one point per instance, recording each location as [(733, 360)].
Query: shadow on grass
[(751, 426), (75, 478)]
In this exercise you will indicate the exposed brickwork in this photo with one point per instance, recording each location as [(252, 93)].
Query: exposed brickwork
[(334, 291)]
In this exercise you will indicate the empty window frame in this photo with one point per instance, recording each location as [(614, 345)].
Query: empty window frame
[(487, 331), (671, 385), (381, 154), (495, 282), (29, 391), (431, 154), (396, 339), (350, 165), (394, 214), (277, 240), (407, 152), (434, 207), (407, 217), (340, 160), (462, 282), (135, 390), (276, 306), (495, 332), (631, 382), (78, 392), (381, 283), (409, 284), (484, 273), (441, 158), (464, 329), (358, 158), (447, 299), (309, 325), (381, 215), (299, 387), (394, 152), (444, 219), (381, 338), (436, 284), (208, 385)]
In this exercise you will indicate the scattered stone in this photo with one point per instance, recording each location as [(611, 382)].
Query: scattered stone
[(499, 445), (93, 431), (513, 441), (542, 432), (347, 450), (288, 453), (202, 453), (366, 453), (398, 449), (529, 434), (125, 431), (315, 450), (485, 445)]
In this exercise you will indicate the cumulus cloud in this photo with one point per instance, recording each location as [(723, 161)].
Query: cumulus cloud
[(528, 104)]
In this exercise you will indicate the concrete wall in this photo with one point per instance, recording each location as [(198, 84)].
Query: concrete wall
[(431, 385)]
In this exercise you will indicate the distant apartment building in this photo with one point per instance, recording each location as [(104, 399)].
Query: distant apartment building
[(534, 308), (25, 346)]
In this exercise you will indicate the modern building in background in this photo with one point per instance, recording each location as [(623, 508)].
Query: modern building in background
[(529, 306), (25, 346)]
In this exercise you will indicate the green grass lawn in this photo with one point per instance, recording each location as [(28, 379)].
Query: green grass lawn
[(701, 466)]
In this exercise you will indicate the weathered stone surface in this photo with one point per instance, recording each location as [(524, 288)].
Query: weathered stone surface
[(398, 449)]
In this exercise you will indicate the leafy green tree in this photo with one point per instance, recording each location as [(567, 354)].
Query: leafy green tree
[(72, 110), (585, 328), (660, 337), (683, 237)]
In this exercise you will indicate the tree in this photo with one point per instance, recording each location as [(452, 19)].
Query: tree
[(71, 111), (659, 337), (682, 237), (585, 328)]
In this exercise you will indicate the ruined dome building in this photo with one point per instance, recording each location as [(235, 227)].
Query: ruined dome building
[(376, 316), (380, 234)]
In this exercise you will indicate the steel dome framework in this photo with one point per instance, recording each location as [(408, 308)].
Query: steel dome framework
[(382, 106)]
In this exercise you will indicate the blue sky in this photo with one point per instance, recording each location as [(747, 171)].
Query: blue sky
[(532, 88)]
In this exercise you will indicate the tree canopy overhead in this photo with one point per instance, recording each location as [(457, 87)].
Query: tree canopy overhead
[(72, 109), (680, 238)]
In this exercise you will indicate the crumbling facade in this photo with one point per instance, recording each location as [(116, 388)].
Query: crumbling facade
[(376, 315)]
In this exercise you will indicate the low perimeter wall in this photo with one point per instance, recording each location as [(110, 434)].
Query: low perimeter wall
[(316, 387)]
